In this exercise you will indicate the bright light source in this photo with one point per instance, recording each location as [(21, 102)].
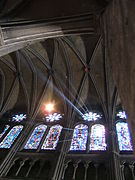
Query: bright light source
[(49, 107)]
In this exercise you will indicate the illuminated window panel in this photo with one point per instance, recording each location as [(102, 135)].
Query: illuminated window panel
[(4, 131), (53, 117), (97, 138), (52, 138), (90, 116), (123, 135), (122, 115), (79, 139), (36, 137), (11, 137), (18, 117)]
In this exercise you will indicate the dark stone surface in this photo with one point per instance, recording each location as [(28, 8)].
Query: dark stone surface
[(119, 29), (43, 9)]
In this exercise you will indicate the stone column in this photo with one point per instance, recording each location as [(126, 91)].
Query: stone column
[(75, 168), (122, 172), (21, 165), (119, 36), (64, 169), (31, 165), (96, 166), (86, 168), (1, 37), (132, 169)]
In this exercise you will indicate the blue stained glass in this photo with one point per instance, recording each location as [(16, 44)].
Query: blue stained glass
[(97, 138), (19, 117), (123, 136), (11, 137), (4, 131), (79, 139), (36, 137), (52, 138)]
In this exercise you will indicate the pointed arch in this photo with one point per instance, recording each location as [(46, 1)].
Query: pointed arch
[(79, 139), (52, 138), (11, 137), (123, 134), (80, 172), (69, 171), (127, 172), (97, 138), (35, 138)]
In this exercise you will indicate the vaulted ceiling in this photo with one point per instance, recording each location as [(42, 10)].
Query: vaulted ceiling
[(68, 68), (71, 71)]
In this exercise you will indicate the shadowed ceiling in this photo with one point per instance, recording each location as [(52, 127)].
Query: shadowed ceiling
[(44, 9), (71, 71)]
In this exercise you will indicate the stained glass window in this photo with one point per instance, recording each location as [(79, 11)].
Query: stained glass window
[(122, 115), (11, 137), (79, 139), (53, 117), (4, 131), (52, 138), (90, 116), (97, 138), (18, 117), (123, 136), (36, 137)]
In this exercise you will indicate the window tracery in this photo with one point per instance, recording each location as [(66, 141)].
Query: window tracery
[(97, 138), (79, 139), (18, 117), (36, 137), (52, 138), (122, 115), (53, 117), (11, 137), (91, 116)]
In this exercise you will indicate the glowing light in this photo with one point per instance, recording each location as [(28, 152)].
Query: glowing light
[(97, 138), (49, 107), (19, 117), (36, 137), (90, 116), (123, 135), (53, 117), (79, 139), (52, 138), (11, 137), (122, 115)]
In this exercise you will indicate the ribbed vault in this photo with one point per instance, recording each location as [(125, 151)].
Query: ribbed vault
[(71, 71)]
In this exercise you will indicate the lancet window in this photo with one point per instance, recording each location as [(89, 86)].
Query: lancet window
[(52, 138), (97, 138), (79, 139), (123, 135), (11, 137), (36, 137)]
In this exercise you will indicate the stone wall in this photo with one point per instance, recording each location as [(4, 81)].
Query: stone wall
[(119, 35)]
